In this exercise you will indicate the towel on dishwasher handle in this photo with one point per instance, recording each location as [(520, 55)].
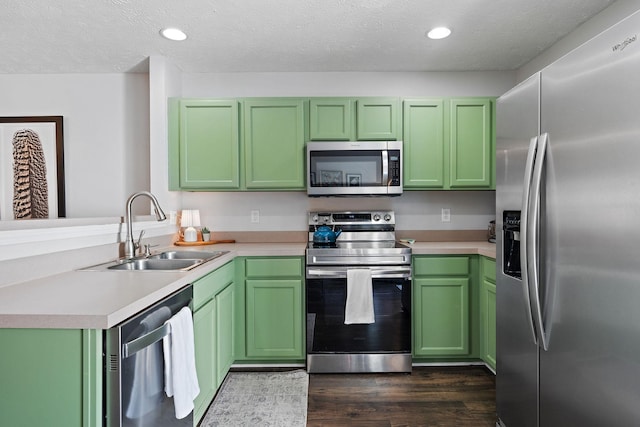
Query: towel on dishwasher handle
[(359, 306), (181, 380)]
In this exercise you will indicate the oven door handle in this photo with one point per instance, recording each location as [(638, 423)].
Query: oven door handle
[(376, 272)]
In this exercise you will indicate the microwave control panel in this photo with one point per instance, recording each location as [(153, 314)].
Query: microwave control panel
[(394, 168)]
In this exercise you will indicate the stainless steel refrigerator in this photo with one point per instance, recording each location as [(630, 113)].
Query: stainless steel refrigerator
[(568, 239)]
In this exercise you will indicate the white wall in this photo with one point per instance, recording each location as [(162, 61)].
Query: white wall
[(419, 84), (106, 133), (287, 210)]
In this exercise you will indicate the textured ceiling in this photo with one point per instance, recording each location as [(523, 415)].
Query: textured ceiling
[(103, 36)]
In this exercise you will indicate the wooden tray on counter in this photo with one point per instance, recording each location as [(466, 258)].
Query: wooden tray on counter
[(201, 243)]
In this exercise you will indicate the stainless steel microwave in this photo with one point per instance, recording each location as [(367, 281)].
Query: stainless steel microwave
[(354, 168)]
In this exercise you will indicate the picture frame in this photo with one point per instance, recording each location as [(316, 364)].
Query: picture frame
[(32, 168), (354, 179), (331, 178)]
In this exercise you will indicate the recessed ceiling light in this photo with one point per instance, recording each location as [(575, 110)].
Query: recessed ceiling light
[(173, 34), (439, 33)]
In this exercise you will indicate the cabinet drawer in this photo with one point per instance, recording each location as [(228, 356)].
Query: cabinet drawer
[(489, 269), (274, 267), (208, 286), (441, 266)]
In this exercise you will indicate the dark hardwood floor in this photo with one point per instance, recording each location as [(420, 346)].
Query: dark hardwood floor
[(430, 396)]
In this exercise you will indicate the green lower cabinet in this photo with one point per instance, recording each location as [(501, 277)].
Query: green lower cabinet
[(442, 316), (225, 332), (51, 377), (213, 330), (488, 312), (274, 318), (270, 309), (488, 328), (204, 335), (445, 315)]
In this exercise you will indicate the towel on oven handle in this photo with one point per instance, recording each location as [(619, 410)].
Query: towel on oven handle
[(359, 306)]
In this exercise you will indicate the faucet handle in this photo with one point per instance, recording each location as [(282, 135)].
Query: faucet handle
[(137, 245)]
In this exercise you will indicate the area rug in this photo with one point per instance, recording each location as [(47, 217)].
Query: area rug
[(274, 399)]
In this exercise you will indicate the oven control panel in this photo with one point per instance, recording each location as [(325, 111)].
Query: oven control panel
[(361, 217)]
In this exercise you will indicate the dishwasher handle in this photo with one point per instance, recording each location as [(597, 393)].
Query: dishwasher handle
[(132, 347)]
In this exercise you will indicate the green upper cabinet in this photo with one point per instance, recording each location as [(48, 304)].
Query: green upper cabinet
[(377, 119), (204, 144), (449, 144), (423, 125), (471, 146), (351, 119), (257, 144), (330, 119), (274, 137)]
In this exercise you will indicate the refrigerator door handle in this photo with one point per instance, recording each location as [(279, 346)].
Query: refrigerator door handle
[(524, 232), (533, 243)]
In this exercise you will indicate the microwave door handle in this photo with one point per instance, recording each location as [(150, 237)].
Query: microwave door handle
[(524, 234), (385, 168)]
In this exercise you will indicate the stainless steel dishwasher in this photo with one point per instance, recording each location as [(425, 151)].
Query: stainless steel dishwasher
[(134, 365)]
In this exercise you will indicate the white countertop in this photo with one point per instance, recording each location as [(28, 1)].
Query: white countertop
[(102, 299), (449, 248)]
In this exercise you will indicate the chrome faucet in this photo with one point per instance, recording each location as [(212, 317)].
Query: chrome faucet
[(129, 245)]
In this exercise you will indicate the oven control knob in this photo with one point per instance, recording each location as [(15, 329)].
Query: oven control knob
[(376, 217), (387, 217), (315, 218)]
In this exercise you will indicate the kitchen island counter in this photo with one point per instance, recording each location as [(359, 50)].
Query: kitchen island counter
[(101, 299), (83, 299)]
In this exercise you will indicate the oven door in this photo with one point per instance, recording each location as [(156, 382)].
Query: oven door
[(333, 346)]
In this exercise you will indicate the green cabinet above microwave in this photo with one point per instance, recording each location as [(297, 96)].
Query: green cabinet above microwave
[(354, 119)]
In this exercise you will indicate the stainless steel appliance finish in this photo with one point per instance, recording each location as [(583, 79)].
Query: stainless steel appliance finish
[(367, 241), (567, 150), (354, 168), (134, 365)]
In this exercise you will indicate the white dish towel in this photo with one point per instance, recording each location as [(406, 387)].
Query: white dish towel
[(180, 378), (359, 306)]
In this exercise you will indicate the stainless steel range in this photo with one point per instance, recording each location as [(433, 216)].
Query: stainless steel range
[(366, 265)]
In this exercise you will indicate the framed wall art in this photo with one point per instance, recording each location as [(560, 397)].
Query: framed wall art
[(31, 168)]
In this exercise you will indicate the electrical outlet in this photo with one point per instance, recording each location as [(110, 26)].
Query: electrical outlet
[(446, 215), (173, 217), (255, 216)]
